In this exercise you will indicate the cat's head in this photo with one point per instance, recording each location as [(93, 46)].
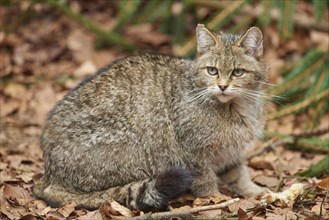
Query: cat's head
[(228, 65)]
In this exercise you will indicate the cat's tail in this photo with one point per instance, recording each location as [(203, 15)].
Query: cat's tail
[(143, 195)]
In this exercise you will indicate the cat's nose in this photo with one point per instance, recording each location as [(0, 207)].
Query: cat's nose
[(222, 87)]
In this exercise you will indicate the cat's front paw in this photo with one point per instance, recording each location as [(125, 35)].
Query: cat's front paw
[(255, 191)]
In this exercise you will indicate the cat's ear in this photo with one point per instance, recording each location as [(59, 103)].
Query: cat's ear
[(205, 39), (252, 42)]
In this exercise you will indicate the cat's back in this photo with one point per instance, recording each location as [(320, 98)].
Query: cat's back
[(128, 92), (141, 67), (131, 76)]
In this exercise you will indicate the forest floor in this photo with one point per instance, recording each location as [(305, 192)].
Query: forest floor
[(41, 60)]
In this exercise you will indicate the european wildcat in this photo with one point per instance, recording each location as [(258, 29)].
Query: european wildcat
[(150, 127)]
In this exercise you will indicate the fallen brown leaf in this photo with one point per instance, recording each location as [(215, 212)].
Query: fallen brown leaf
[(94, 215), (26, 177), (67, 209), (8, 107), (185, 207), (107, 210), (16, 194), (121, 209), (15, 90), (266, 180), (201, 201), (242, 204), (324, 183), (218, 198), (316, 209), (28, 217), (54, 215), (6, 212), (86, 68), (260, 163), (242, 215), (43, 211), (286, 213), (259, 211)]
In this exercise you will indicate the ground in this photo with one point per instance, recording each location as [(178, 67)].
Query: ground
[(42, 59)]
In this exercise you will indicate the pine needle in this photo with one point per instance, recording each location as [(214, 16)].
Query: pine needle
[(299, 106)]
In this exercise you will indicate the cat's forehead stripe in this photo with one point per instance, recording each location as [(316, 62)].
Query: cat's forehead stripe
[(229, 39)]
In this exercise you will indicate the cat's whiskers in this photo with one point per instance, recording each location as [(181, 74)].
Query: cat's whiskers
[(197, 97), (196, 90), (257, 98), (265, 83), (273, 98), (254, 96), (267, 97)]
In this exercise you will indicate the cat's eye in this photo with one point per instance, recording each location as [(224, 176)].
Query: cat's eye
[(238, 72), (212, 71)]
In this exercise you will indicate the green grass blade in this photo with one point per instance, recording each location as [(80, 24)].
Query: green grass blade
[(286, 22), (320, 7), (167, 17), (265, 17), (213, 23), (311, 61), (126, 11), (179, 21), (317, 170)]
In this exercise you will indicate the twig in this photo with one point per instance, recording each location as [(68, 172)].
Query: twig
[(181, 213), (312, 133), (270, 146), (289, 139)]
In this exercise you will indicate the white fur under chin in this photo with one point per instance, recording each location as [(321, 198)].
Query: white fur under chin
[(224, 98)]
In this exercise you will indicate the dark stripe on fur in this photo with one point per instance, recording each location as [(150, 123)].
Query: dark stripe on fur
[(140, 200), (129, 197)]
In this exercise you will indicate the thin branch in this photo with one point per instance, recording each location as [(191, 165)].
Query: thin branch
[(289, 139), (311, 133), (181, 213), (270, 146)]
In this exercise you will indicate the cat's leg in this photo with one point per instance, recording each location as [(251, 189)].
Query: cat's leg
[(205, 183), (238, 179)]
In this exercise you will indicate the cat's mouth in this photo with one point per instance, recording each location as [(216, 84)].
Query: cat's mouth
[(224, 97)]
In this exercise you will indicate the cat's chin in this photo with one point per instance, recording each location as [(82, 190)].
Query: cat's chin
[(224, 98)]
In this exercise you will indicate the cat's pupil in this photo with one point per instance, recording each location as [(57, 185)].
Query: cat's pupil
[(212, 71)]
